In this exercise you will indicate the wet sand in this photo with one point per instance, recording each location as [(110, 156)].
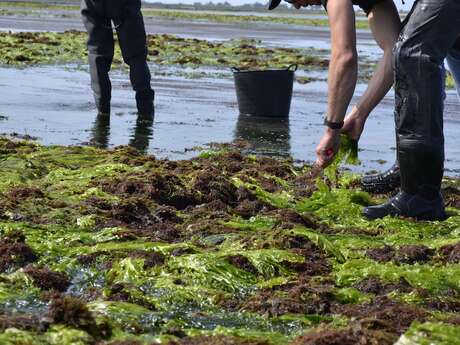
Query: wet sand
[(190, 113), (269, 33)]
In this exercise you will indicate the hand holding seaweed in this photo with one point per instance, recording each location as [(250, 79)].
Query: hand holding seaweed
[(347, 153)]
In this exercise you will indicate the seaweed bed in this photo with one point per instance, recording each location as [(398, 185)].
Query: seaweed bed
[(26, 48), (114, 247)]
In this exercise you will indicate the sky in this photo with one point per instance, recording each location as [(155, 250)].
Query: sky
[(239, 2)]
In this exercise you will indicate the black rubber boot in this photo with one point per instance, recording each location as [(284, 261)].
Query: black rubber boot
[(407, 205), (384, 182), (145, 103)]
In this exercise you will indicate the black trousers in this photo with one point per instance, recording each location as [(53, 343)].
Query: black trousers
[(126, 16), (429, 32)]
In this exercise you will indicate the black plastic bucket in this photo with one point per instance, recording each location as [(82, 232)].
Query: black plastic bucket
[(265, 93)]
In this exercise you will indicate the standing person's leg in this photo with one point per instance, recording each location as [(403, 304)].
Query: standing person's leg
[(453, 61), (100, 54), (419, 54), (133, 43)]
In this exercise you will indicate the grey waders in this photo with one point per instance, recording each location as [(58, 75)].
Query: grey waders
[(126, 16)]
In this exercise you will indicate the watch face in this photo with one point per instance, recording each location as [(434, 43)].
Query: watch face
[(273, 4)]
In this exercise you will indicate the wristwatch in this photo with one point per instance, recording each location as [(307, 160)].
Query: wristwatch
[(333, 125)]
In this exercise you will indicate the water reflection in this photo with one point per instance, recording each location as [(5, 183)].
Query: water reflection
[(143, 132), (267, 135), (139, 139), (100, 134)]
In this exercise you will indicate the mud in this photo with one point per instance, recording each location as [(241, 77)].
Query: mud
[(14, 252), (47, 280)]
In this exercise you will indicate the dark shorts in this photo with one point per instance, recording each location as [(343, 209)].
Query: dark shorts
[(366, 5)]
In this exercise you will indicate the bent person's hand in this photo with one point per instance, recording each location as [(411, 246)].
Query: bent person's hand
[(327, 148), (304, 3), (353, 126)]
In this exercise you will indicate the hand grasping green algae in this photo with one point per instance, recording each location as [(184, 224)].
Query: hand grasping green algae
[(348, 154)]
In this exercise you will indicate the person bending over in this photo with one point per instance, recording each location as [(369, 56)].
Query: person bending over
[(385, 25), (430, 32)]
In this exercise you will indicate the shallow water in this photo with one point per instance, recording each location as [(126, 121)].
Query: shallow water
[(54, 104)]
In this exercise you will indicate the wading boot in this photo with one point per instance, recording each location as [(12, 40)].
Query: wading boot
[(408, 205), (145, 103), (384, 182)]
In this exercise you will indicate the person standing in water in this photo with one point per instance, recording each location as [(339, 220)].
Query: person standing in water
[(100, 17)]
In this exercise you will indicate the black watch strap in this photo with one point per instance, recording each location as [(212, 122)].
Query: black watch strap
[(333, 125)]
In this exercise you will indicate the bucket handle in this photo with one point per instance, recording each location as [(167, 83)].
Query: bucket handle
[(293, 68)]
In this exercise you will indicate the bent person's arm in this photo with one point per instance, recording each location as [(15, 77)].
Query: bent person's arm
[(343, 67), (343, 73), (385, 25)]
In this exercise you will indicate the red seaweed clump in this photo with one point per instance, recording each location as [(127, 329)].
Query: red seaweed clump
[(303, 296), (23, 322), (216, 340), (47, 280), (381, 314), (74, 313), (348, 336), (14, 252), (19, 194), (378, 287), (450, 253), (242, 263), (210, 185), (408, 255)]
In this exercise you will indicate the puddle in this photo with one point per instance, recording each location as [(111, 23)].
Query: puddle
[(54, 104)]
